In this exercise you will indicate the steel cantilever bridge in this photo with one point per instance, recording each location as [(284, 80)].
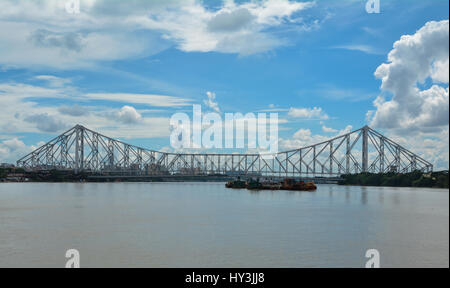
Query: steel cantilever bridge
[(364, 150)]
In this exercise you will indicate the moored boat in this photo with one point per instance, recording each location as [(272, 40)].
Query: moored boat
[(287, 184), (254, 185), (271, 185), (293, 185), (236, 184)]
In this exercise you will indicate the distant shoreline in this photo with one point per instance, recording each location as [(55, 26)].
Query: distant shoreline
[(413, 179)]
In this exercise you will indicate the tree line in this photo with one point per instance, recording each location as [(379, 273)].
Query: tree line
[(412, 179)]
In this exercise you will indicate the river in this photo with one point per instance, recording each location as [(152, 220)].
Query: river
[(207, 225)]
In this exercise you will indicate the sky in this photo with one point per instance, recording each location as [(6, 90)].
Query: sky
[(123, 68)]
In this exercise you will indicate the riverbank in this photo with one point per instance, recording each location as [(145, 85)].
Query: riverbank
[(414, 179), (11, 175)]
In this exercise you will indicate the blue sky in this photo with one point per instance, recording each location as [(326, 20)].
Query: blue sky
[(60, 69)]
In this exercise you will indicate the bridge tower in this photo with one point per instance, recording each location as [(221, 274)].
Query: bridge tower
[(365, 149), (79, 148)]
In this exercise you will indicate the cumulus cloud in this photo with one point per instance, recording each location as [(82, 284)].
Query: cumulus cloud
[(231, 20), (440, 71), (22, 111), (414, 60), (13, 144), (210, 102), (328, 130), (433, 147), (315, 113), (128, 115), (46, 123), (304, 138), (414, 104), (12, 149)]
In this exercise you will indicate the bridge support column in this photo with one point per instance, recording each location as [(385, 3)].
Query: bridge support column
[(382, 157), (331, 159), (365, 149), (347, 156), (314, 161), (79, 149)]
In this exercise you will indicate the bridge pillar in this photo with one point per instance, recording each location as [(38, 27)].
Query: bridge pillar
[(382, 156), (347, 156), (314, 161), (365, 149), (79, 149), (331, 158), (111, 154)]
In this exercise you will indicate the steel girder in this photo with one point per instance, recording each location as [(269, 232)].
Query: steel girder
[(363, 150)]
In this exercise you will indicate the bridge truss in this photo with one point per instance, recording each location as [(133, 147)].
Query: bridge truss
[(363, 150)]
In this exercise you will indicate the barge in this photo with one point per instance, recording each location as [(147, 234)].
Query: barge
[(286, 184)]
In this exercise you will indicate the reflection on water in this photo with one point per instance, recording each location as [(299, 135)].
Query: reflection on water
[(206, 225)]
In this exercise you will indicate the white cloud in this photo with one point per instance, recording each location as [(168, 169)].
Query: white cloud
[(54, 81), (13, 91), (20, 112), (46, 123), (415, 59), (23, 111), (273, 108), (232, 28), (276, 11), (328, 130), (302, 134), (210, 102), (45, 35), (128, 115), (65, 41), (13, 144), (31, 47), (433, 147), (231, 20), (304, 138), (358, 47), (417, 116), (346, 130), (440, 71), (74, 110), (147, 99), (12, 149), (315, 113)]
